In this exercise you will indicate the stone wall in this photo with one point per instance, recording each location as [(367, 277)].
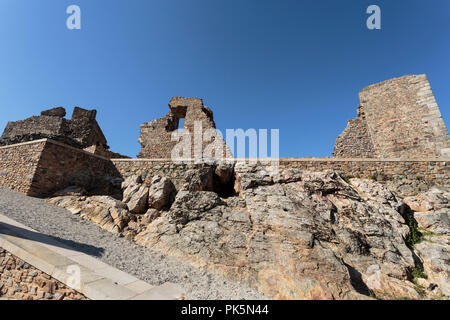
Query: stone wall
[(20, 280), (41, 167), (18, 164), (403, 177), (402, 119), (198, 133), (61, 166)]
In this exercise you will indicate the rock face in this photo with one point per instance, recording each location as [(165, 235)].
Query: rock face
[(397, 118), (295, 235), (161, 193), (431, 211), (139, 201), (288, 233), (198, 132), (81, 131)]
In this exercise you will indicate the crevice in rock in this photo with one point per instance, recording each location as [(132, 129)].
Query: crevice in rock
[(414, 236), (225, 190), (357, 282)]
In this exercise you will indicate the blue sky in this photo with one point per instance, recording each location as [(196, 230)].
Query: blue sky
[(291, 65)]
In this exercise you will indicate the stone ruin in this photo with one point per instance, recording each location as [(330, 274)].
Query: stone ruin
[(156, 136), (81, 131), (397, 118)]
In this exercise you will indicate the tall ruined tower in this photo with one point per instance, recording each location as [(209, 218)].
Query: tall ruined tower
[(397, 118)]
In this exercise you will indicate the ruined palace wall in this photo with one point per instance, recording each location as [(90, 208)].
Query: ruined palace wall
[(404, 119), (355, 141), (18, 164), (397, 118)]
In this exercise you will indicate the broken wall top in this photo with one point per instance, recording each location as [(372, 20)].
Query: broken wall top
[(156, 136), (81, 131), (397, 118)]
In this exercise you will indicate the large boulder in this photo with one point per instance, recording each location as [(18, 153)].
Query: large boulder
[(109, 213), (434, 253), (201, 179), (431, 210), (131, 180), (161, 193), (139, 200), (130, 186)]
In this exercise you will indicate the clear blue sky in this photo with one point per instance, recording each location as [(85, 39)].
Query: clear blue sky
[(288, 64)]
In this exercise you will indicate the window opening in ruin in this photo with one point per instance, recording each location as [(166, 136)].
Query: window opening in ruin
[(181, 124)]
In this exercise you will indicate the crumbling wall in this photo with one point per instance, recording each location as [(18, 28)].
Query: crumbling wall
[(355, 141), (156, 136), (81, 131), (61, 166), (397, 118)]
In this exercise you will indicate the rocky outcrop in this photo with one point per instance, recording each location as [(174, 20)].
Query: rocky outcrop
[(288, 233), (431, 212), (110, 214), (139, 200), (81, 131), (161, 193), (296, 235)]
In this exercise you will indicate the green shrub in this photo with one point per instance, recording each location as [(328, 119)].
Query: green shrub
[(414, 236)]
